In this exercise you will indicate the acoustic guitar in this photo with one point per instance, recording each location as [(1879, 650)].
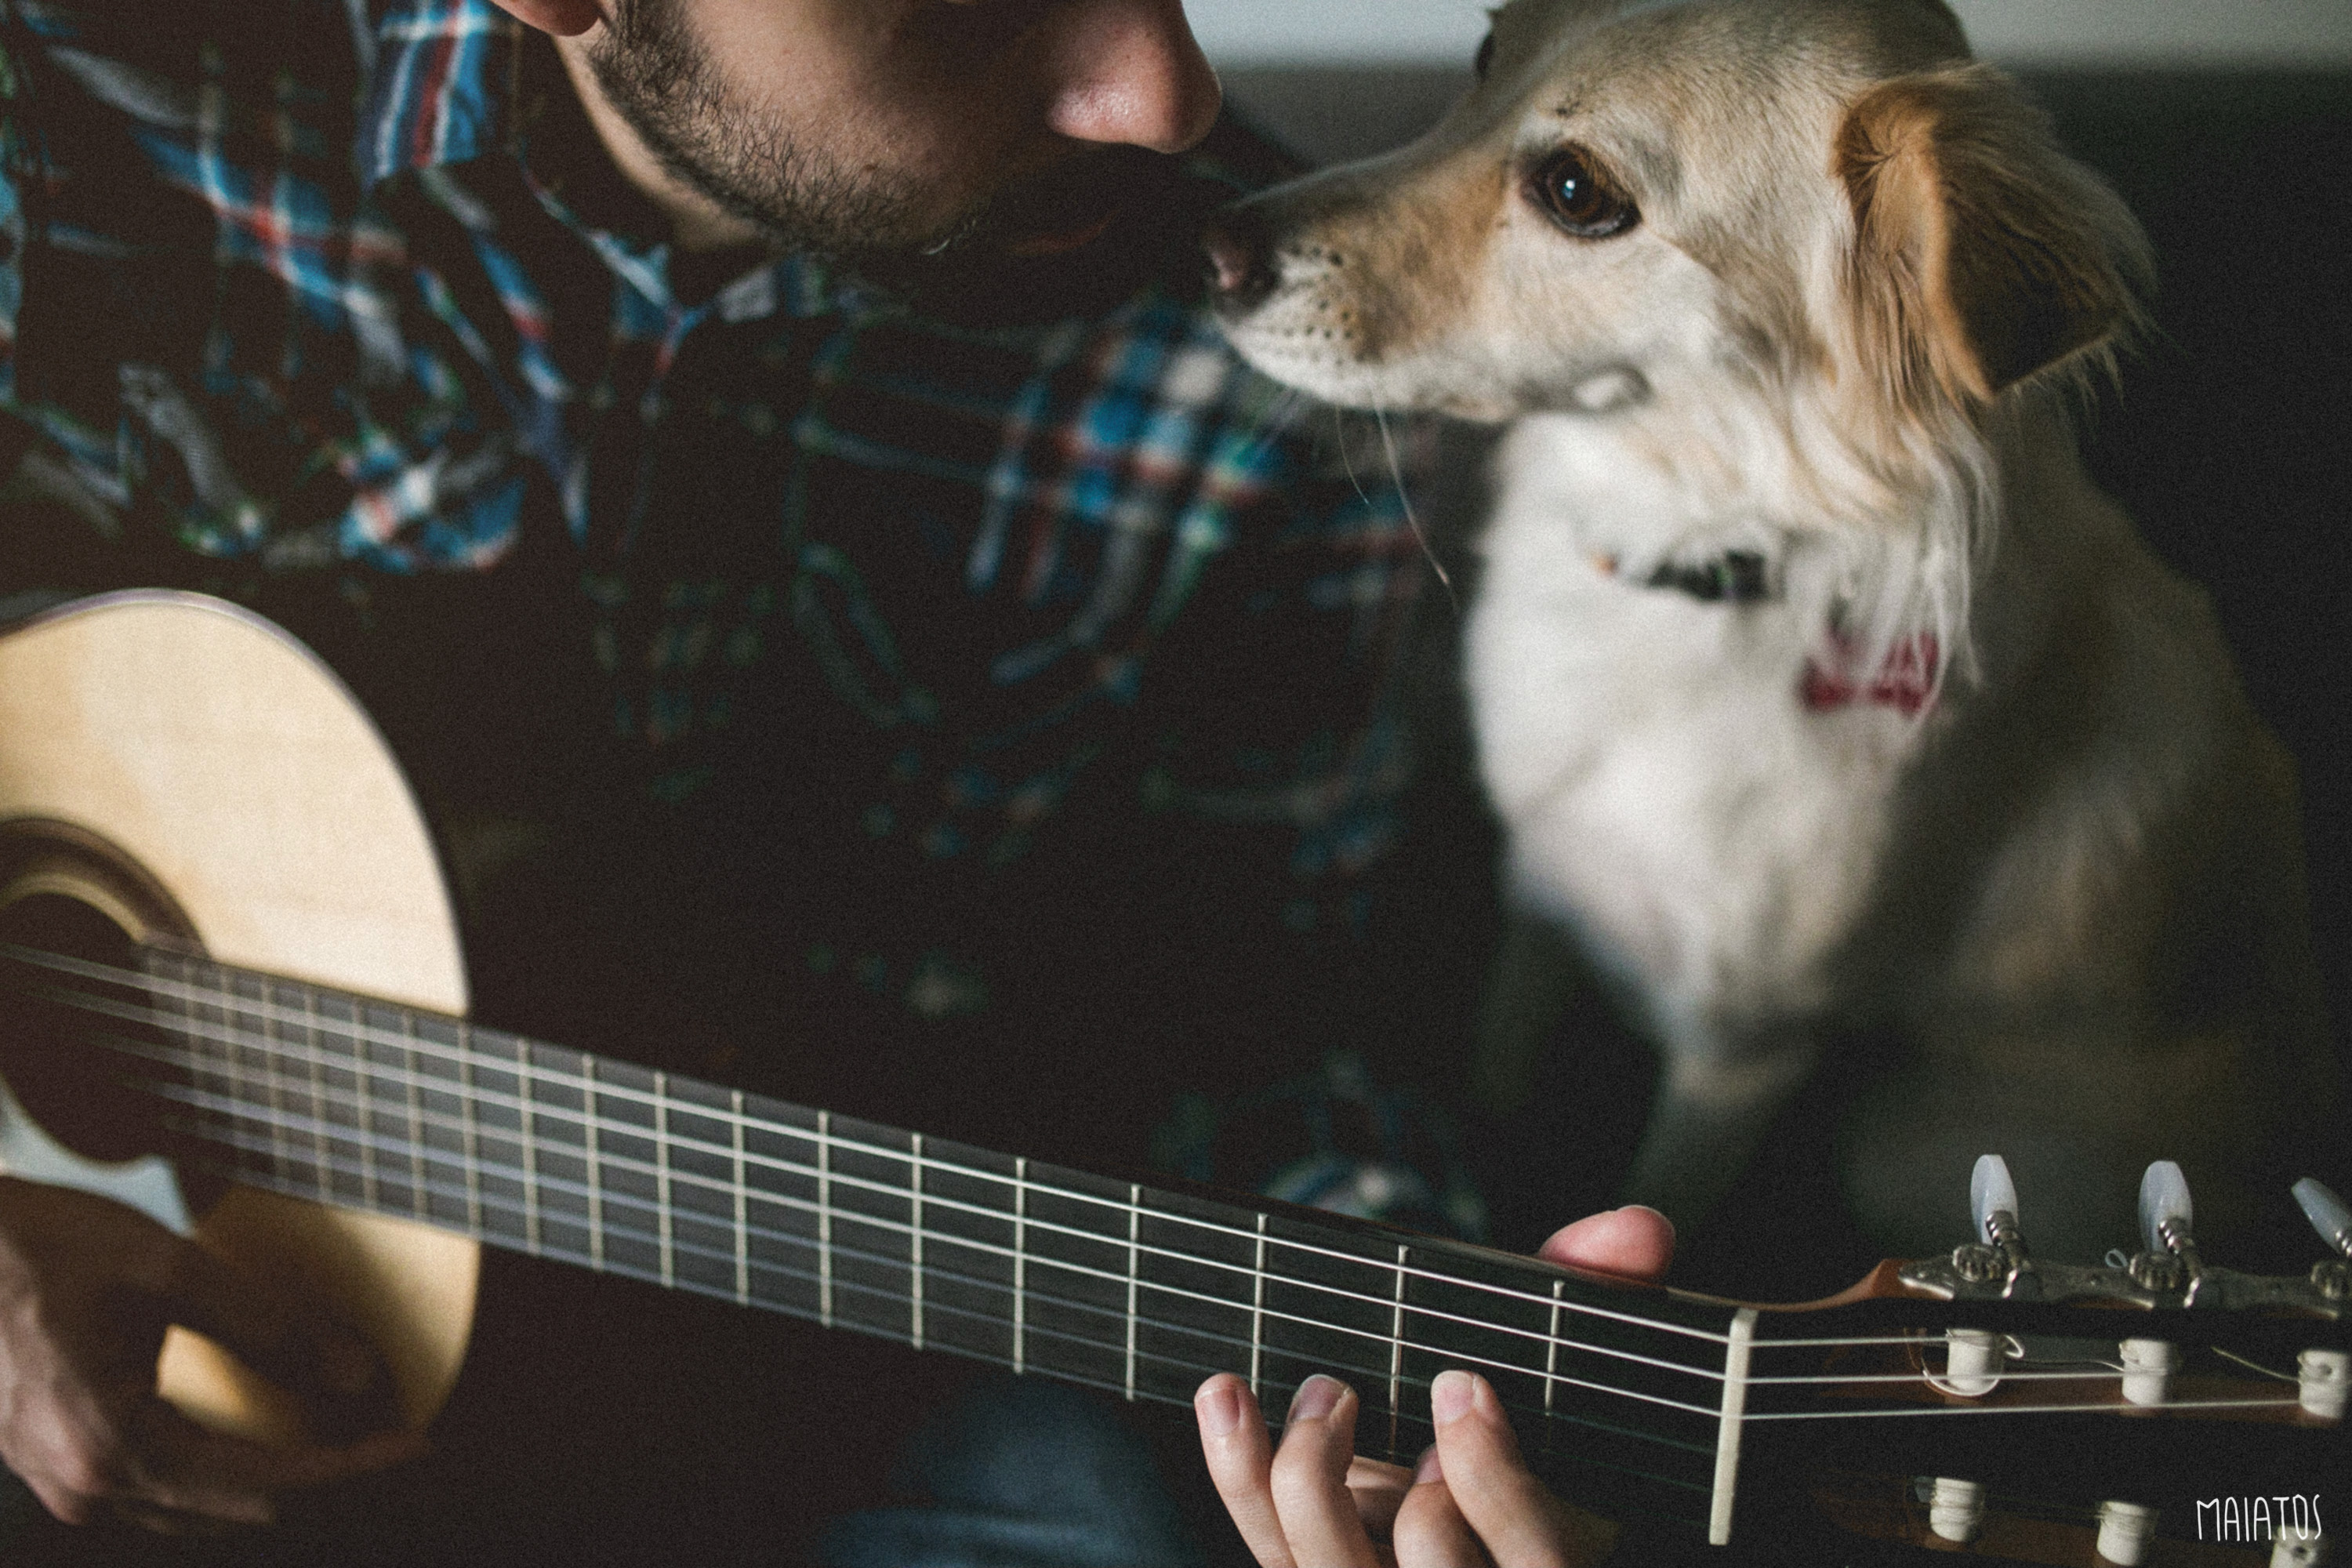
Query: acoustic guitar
[(217, 900)]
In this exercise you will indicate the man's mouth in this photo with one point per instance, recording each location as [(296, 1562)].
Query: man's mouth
[(1061, 243)]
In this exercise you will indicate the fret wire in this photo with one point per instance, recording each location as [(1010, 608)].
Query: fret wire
[(416, 1121), (1396, 1345), (595, 1173), (1020, 1263), (1257, 1308), (316, 1053), (280, 1158), (742, 1199), (824, 1213), (1134, 1228), (206, 1071), (1451, 1355), (661, 1181), (471, 1134), (530, 1149), (915, 1244), (825, 1216), (365, 1110), (1551, 1346), (1582, 1309)]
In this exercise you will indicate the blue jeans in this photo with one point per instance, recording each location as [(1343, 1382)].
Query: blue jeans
[(1020, 1473)]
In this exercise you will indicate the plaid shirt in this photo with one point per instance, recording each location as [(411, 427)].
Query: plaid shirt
[(309, 292)]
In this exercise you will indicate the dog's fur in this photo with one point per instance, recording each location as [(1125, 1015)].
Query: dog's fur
[(1966, 782)]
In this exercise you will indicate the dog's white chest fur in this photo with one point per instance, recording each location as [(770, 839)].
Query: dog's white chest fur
[(1668, 793)]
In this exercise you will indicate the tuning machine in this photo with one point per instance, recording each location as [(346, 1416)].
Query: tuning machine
[(1998, 1253), (2168, 1261), (2331, 1219)]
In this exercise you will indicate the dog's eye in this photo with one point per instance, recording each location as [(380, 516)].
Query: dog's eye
[(1578, 197), (1485, 60)]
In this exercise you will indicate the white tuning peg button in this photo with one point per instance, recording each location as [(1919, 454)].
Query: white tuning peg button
[(2328, 1213), (2125, 1530), (1992, 1200), (1956, 1509), (2148, 1366), (2293, 1547), (2325, 1382), (1973, 1359), (2165, 1215)]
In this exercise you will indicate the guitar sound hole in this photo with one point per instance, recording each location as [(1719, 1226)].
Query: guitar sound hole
[(52, 1050)]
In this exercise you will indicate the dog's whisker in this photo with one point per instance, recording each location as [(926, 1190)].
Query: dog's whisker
[(1412, 519)]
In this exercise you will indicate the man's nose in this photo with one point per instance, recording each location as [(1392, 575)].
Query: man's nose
[(1129, 72)]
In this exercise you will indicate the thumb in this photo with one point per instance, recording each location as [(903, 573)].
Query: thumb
[(279, 1331)]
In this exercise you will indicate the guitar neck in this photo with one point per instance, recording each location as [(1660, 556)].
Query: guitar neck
[(1627, 1398)]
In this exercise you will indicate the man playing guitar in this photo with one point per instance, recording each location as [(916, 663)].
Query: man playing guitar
[(760, 461)]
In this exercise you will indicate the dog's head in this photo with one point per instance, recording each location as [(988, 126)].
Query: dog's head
[(1638, 206)]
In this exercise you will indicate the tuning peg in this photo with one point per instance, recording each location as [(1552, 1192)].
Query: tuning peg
[(2166, 1215), (2328, 1213), (1993, 1199)]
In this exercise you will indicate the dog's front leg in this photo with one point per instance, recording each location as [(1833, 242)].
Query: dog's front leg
[(1719, 1089)]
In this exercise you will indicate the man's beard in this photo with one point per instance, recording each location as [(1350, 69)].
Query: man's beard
[(659, 77)]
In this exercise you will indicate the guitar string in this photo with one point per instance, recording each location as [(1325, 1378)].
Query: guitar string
[(351, 1133), (541, 1075), (448, 1123), (252, 1143), (1159, 1360), (410, 1041), (359, 1034), (257, 1144), (379, 1070), (295, 1186)]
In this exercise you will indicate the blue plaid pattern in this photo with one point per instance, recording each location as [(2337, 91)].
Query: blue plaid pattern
[(303, 290)]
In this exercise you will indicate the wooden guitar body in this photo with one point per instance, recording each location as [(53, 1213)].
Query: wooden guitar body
[(199, 778)]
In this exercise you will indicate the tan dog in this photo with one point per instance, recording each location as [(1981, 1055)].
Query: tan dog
[(1823, 698)]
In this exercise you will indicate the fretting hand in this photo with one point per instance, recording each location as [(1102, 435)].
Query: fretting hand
[(1313, 1504), (87, 1287)]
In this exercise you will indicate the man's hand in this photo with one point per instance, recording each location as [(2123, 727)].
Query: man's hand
[(87, 1287), (1313, 1504)]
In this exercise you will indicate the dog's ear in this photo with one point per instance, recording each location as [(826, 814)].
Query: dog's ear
[(1982, 253)]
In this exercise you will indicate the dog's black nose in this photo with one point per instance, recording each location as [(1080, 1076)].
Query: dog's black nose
[(1241, 273)]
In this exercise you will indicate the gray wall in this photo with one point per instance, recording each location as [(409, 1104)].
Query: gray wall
[(2075, 33)]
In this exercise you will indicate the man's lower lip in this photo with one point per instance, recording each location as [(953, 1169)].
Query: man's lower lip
[(1059, 244)]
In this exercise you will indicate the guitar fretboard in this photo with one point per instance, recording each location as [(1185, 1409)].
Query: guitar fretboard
[(1127, 1287)]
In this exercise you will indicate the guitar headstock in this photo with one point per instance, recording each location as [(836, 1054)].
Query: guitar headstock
[(2154, 1408)]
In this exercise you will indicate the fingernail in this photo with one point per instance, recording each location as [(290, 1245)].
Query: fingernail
[(1218, 1408), (1450, 1395), (1316, 1398), (1428, 1471)]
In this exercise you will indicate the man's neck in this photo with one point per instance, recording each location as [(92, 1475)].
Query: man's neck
[(698, 224)]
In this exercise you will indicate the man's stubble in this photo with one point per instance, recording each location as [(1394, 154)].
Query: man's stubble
[(745, 159)]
